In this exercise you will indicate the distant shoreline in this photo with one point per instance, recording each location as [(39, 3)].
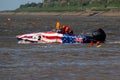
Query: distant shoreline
[(81, 13)]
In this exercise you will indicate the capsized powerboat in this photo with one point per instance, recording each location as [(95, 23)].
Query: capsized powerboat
[(54, 37)]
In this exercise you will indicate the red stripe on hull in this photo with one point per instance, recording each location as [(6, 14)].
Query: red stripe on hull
[(52, 37)]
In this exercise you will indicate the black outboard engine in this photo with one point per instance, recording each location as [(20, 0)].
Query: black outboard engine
[(99, 35)]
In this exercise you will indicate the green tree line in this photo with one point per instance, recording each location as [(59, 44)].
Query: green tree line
[(73, 3)]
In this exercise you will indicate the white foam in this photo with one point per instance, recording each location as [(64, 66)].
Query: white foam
[(23, 42), (114, 42)]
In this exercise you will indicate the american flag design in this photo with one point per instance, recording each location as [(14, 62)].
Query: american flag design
[(51, 37)]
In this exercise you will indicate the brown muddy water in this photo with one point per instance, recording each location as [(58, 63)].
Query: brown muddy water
[(58, 61)]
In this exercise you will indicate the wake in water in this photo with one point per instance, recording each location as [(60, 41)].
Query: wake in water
[(24, 42), (113, 42)]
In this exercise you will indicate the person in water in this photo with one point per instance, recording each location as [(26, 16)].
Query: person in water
[(63, 29), (66, 30)]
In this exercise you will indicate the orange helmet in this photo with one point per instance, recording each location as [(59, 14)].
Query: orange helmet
[(64, 26), (67, 29)]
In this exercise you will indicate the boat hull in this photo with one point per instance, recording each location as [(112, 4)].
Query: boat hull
[(52, 37)]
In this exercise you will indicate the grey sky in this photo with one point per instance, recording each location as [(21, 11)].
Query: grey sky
[(13, 4)]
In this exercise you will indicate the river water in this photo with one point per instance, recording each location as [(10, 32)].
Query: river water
[(59, 61)]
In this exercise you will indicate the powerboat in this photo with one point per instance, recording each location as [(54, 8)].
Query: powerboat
[(55, 37)]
